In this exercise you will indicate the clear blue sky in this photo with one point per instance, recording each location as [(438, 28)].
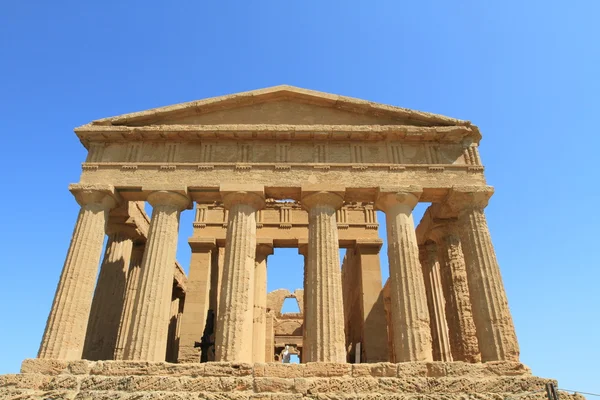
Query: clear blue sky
[(526, 72)]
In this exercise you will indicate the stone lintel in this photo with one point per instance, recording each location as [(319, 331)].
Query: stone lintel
[(264, 248), (201, 244), (369, 246), (86, 193)]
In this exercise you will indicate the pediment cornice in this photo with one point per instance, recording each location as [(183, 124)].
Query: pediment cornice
[(442, 134), (278, 93)]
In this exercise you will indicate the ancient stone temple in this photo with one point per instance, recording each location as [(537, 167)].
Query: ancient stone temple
[(272, 168)]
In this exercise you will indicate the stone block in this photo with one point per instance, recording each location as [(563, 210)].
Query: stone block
[(364, 385), (120, 368), (237, 384), (403, 385), (279, 370), (274, 385), (436, 369), (227, 369), (323, 369), (61, 382), (411, 369), (507, 368), (22, 381), (95, 383)]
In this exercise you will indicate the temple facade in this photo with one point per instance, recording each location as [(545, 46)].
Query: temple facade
[(336, 160), (272, 168)]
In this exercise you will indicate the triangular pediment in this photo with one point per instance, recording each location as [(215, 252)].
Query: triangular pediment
[(280, 105)]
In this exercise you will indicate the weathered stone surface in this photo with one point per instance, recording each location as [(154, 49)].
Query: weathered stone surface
[(159, 380), (324, 313), (410, 317), (66, 326), (133, 279), (148, 333), (109, 298), (229, 154), (233, 341)]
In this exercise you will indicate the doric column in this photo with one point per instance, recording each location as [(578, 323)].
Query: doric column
[(150, 324), (66, 327), (459, 313), (495, 329), (412, 339), (435, 302), (133, 279), (324, 302), (236, 312), (374, 331), (263, 250), (303, 250), (193, 321), (107, 305)]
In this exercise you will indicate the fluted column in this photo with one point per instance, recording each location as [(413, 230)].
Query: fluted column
[(459, 313), (107, 304), (435, 301), (148, 334), (324, 302), (233, 340), (410, 317), (66, 326), (133, 279), (263, 250), (303, 250), (495, 329)]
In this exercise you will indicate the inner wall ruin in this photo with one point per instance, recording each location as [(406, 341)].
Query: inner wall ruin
[(271, 168)]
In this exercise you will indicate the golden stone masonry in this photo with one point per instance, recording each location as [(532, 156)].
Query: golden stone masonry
[(272, 168)]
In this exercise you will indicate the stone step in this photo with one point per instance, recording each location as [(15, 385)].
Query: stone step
[(53, 379)]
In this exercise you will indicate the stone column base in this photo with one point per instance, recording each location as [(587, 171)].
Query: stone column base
[(42, 379)]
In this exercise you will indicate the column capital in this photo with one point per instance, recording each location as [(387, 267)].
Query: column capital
[(315, 195), (467, 197), (169, 198), (104, 195), (369, 246), (202, 245), (252, 195), (264, 248), (388, 197)]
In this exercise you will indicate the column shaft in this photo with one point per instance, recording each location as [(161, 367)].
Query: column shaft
[(133, 279), (463, 336), (66, 326), (324, 302), (495, 329), (410, 317), (303, 249), (236, 311), (435, 302), (260, 302), (196, 308), (107, 305), (150, 325)]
